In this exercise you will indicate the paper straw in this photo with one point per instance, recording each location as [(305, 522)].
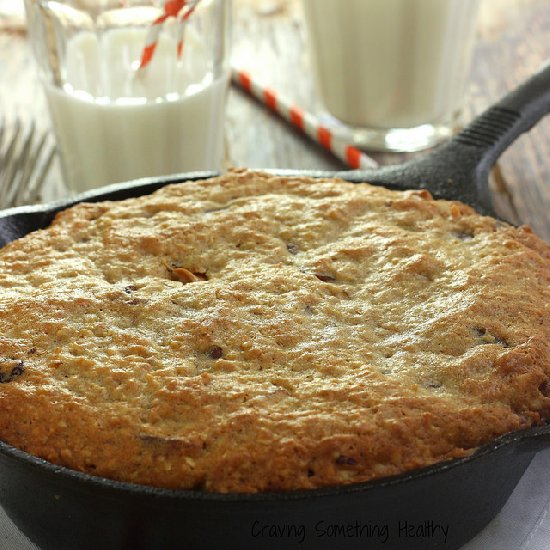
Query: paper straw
[(303, 121), (183, 23), (172, 8)]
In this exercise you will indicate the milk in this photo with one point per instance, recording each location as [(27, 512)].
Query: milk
[(391, 63), (115, 122)]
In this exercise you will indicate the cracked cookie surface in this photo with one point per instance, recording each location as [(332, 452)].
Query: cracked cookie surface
[(251, 333)]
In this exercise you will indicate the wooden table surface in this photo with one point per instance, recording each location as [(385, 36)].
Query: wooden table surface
[(513, 42)]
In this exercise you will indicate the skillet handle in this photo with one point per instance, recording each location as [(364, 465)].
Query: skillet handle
[(459, 169), (492, 132)]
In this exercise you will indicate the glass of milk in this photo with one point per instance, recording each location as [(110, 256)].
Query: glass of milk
[(117, 117), (391, 73)]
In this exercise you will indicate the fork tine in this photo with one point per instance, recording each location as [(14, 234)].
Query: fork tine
[(29, 177), (20, 178), (35, 189), (2, 134), (28, 155), (10, 163)]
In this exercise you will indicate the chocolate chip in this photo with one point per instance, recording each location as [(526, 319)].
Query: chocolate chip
[(32, 351), (18, 371), (544, 388), (310, 473), (130, 288), (292, 248), (10, 375), (216, 352), (199, 485), (488, 338), (342, 459), (325, 278), (502, 342), (463, 235)]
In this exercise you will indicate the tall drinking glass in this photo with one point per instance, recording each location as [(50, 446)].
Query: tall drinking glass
[(135, 87), (392, 73)]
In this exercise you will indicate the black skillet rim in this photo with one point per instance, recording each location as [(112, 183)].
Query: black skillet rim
[(501, 442), (68, 474)]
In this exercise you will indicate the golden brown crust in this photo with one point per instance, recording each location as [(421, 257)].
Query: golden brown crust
[(253, 333)]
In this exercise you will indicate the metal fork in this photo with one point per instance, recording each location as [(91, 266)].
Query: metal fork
[(25, 160)]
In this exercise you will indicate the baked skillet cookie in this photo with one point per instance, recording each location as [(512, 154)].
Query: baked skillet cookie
[(251, 333)]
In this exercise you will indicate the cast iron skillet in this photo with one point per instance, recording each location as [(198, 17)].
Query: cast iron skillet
[(441, 506)]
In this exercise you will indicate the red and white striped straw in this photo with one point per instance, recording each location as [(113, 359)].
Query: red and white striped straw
[(303, 121), (180, 9), (300, 119), (188, 12)]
